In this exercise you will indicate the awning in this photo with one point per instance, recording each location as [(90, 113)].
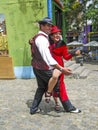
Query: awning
[(92, 44), (75, 43)]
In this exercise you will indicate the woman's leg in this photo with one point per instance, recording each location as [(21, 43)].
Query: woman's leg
[(57, 106), (51, 84), (53, 80), (67, 105)]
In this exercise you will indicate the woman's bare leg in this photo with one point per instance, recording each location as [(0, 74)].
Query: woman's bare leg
[(52, 82)]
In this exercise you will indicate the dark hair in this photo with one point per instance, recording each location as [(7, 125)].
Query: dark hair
[(50, 39)]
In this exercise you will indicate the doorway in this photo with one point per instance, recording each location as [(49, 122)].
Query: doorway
[(59, 18)]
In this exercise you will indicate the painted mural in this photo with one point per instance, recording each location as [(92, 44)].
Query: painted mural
[(3, 36)]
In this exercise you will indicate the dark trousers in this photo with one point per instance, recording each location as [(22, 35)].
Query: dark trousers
[(42, 77)]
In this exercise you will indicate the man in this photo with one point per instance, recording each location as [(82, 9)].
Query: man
[(43, 62)]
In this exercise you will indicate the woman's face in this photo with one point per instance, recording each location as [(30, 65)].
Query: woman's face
[(56, 36)]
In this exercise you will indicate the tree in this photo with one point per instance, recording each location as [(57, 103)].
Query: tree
[(72, 14), (78, 13), (92, 14)]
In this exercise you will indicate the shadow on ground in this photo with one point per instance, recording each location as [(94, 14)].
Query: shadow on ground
[(47, 108)]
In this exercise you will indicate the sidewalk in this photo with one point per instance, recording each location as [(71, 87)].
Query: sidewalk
[(16, 97)]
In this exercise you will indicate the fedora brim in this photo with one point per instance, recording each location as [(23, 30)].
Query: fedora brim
[(43, 22)]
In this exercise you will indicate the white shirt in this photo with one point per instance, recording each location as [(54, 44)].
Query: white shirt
[(42, 44)]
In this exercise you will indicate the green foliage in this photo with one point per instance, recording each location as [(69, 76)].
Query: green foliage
[(77, 14), (72, 10), (92, 14)]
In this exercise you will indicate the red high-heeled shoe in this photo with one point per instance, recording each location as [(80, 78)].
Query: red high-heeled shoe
[(47, 97)]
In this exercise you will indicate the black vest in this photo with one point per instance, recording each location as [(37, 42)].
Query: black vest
[(37, 60)]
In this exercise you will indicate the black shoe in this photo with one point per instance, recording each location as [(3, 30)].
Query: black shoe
[(32, 111), (74, 110), (68, 107)]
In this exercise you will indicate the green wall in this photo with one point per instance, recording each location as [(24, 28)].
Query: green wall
[(21, 24)]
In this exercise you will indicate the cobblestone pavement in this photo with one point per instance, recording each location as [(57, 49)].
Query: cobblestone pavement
[(16, 97)]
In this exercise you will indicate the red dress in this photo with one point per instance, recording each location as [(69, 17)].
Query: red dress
[(59, 52)]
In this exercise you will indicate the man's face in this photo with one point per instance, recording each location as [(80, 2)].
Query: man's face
[(46, 28)]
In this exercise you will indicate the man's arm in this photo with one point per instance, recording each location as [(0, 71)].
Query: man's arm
[(43, 46), (64, 70)]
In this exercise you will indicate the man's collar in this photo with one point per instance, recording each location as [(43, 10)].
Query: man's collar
[(43, 33)]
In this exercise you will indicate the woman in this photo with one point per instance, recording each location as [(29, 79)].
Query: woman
[(59, 52)]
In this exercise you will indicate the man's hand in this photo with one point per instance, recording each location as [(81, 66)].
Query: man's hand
[(66, 71)]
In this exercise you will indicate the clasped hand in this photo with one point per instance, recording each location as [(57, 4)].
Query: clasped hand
[(67, 71)]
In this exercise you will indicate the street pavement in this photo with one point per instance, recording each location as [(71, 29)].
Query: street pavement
[(16, 97)]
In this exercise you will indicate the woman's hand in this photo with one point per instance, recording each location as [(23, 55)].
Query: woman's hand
[(67, 71)]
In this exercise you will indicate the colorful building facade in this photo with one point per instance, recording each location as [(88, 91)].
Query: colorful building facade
[(20, 19)]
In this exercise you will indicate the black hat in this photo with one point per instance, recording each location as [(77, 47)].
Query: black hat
[(46, 20)]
